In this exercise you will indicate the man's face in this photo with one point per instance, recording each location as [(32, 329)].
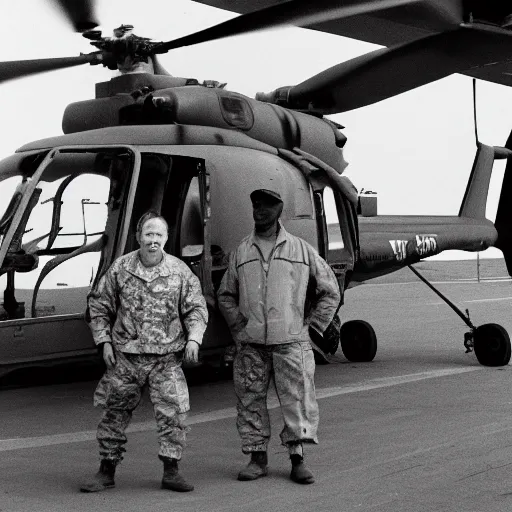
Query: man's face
[(265, 211), (152, 237)]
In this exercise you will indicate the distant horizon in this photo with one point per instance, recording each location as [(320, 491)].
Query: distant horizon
[(490, 254)]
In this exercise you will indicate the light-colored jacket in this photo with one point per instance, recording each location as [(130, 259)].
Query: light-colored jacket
[(275, 303), (145, 310)]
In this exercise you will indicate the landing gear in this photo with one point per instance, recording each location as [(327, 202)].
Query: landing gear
[(358, 341), (490, 342)]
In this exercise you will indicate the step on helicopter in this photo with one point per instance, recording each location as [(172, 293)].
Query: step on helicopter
[(193, 150)]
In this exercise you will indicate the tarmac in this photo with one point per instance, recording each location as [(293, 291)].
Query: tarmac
[(424, 427)]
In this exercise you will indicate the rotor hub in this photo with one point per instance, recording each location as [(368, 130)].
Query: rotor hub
[(124, 51)]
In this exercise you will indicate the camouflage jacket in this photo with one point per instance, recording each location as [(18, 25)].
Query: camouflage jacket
[(146, 310), (276, 302)]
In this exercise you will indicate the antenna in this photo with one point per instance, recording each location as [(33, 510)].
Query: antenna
[(474, 111)]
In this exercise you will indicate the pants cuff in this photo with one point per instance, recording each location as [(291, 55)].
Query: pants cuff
[(261, 447), (116, 459), (171, 453), (291, 438), (295, 449)]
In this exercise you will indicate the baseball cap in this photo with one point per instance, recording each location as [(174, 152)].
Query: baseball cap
[(271, 193)]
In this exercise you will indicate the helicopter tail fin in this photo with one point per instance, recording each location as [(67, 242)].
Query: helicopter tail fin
[(475, 198), (474, 201)]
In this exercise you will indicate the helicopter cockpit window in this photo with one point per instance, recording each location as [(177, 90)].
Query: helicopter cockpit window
[(8, 199), (69, 212), (334, 234), (63, 234), (50, 232), (191, 232)]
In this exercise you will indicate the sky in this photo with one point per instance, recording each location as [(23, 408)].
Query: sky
[(414, 150)]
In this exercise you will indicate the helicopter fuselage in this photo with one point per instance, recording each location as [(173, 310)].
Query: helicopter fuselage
[(194, 153)]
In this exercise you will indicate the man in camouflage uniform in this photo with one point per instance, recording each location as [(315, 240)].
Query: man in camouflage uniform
[(147, 314), (275, 291)]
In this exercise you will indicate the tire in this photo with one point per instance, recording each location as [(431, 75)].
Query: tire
[(492, 345), (358, 341)]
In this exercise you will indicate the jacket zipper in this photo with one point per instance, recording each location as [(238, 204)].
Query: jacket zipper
[(265, 287)]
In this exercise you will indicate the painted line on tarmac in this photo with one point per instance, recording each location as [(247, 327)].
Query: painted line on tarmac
[(230, 412), (489, 300), (386, 382), (456, 281), (496, 299)]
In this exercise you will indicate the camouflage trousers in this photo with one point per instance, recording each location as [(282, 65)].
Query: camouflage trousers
[(119, 392), (292, 368)]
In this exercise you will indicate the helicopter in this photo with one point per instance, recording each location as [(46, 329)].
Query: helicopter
[(193, 151)]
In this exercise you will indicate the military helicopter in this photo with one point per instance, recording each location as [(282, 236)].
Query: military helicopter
[(193, 151)]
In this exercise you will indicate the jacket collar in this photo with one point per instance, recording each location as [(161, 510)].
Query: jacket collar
[(282, 236), (135, 267)]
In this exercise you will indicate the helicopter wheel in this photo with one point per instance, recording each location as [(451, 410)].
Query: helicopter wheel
[(492, 345), (358, 341)]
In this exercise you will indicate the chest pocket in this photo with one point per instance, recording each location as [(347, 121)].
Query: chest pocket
[(159, 286), (164, 287)]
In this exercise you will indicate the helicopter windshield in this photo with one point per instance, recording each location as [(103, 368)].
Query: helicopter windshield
[(53, 232), (13, 183), (10, 188)]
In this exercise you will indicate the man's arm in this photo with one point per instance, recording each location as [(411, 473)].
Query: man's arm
[(228, 296), (327, 296), (192, 308), (102, 308)]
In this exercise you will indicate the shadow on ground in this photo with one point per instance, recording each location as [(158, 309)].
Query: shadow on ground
[(92, 371)]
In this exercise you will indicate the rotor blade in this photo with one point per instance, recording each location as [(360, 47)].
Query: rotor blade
[(80, 13), (18, 68), (384, 73), (293, 12)]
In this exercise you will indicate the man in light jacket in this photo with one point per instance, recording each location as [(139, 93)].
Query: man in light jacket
[(276, 288)]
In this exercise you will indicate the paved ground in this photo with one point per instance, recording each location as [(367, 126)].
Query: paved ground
[(423, 427)]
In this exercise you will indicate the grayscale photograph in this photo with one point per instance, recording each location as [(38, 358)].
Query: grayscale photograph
[(256, 256)]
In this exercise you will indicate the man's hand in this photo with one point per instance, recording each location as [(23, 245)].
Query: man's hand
[(108, 355), (191, 352)]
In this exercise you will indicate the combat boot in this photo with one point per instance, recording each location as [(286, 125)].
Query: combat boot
[(103, 479), (256, 468), (172, 480), (300, 473)]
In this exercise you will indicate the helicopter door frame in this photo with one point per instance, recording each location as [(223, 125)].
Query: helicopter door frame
[(343, 260), (176, 183), (206, 260), (18, 336), (321, 223), (344, 264), (350, 228), (348, 223), (106, 244), (198, 258)]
